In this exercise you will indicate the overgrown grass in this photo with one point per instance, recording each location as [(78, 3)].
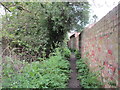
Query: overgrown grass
[(87, 79), (50, 73)]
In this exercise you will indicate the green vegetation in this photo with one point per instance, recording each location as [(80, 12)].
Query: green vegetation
[(50, 73), (87, 78), (77, 54), (112, 83), (66, 52), (32, 26), (35, 33)]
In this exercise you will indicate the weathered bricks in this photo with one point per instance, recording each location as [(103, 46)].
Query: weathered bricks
[(100, 45)]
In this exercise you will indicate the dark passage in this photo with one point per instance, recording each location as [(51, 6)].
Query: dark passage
[(73, 82)]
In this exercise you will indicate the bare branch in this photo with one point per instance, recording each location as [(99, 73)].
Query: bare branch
[(5, 7)]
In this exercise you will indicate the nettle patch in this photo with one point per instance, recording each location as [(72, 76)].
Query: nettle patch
[(87, 79), (50, 73)]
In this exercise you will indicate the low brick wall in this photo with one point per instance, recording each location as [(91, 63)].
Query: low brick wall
[(99, 44)]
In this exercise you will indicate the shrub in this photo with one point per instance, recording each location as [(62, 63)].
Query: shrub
[(87, 79), (10, 69), (66, 52), (50, 73), (77, 53)]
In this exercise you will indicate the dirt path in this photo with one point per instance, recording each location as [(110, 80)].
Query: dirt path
[(73, 82)]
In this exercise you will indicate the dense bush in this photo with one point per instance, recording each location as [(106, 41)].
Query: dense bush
[(66, 52), (87, 79), (32, 26), (77, 54), (50, 73)]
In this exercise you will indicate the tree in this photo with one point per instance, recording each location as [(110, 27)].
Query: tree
[(36, 25), (95, 18)]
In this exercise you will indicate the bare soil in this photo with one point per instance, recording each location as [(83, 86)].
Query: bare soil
[(73, 82)]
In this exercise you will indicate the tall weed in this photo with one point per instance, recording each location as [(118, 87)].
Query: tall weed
[(87, 79), (50, 73)]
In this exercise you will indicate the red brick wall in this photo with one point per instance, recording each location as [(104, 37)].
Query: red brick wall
[(100, 45), (73, 43)]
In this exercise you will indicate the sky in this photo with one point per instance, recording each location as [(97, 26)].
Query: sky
[(102, 7)]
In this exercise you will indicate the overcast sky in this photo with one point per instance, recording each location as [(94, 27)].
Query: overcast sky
[(102, 7)]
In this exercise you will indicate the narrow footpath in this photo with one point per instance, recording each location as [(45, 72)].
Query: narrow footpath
[(73, 82)]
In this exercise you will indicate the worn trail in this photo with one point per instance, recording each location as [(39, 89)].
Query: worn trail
[(73, 82)]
